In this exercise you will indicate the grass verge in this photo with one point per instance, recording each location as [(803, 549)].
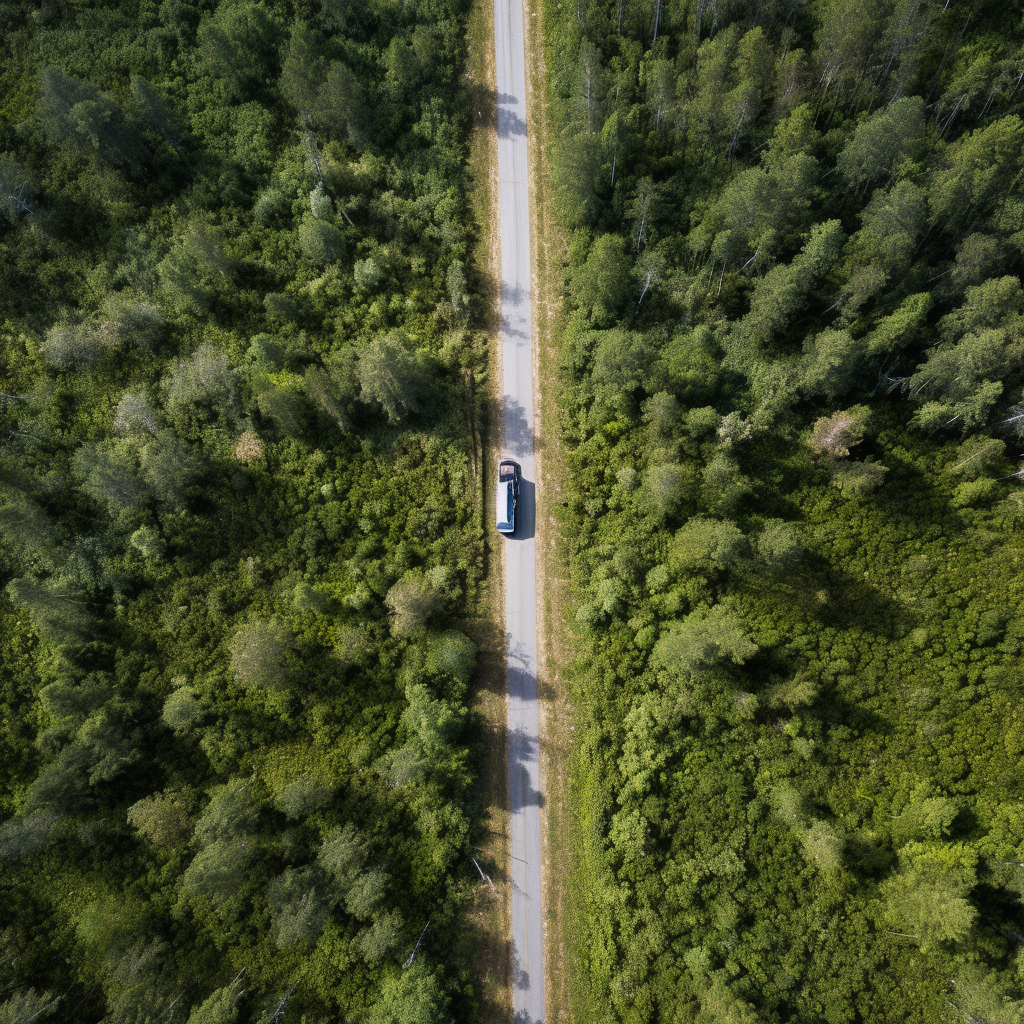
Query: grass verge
[(488, 927), (548, 247)]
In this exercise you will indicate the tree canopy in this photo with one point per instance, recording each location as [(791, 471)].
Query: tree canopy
[(240, 349), (790, 406)]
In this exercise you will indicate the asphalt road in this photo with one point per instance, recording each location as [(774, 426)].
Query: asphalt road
[(524, 791)]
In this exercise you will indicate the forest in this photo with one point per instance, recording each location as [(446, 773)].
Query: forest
[(791, 349), (239, 537)]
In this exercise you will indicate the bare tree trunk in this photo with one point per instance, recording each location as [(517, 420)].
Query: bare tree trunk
[(412, 955), (1017, 86), (953, 114), (313, 152), (647, 284), (277, 1014), (739, 127), (657, 19)]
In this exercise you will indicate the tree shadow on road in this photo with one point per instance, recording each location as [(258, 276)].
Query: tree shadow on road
[(522, 756), (518, 432)]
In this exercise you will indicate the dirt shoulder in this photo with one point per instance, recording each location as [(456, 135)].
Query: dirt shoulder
[(548, 248), (486, 940)]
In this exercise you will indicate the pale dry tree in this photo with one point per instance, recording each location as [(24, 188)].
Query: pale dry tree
[(249, 448), (834, 436)]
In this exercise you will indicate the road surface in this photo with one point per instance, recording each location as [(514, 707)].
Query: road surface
[(524, 791)]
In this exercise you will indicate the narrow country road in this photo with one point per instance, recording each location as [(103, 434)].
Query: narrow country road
[(524, 793)]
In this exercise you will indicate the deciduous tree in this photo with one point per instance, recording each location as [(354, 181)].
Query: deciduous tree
[(834, 436), (220, 1007), (704, 640), (392, 377), (303, 796), (602, 284), (321, 242), (230, 814), (183, 710), (707, 546), (413, 996), (930, 895), (162, 819), (881, 143), (413, 601), (300, 906)]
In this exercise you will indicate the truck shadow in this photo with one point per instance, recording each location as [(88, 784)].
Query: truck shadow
[(526, 511)]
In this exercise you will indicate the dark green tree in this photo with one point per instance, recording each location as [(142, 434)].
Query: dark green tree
[(78, 118), (57, 610), (171, 468), (333, 389), (782, 292), (343, 107), (302, 72), (154, 114), (110, 473), (16, 190)]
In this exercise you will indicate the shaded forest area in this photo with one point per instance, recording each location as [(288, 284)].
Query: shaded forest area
[(239, 529), (792, 347)]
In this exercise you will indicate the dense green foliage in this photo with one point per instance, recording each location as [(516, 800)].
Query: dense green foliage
[(792, 354), (239, 523)]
